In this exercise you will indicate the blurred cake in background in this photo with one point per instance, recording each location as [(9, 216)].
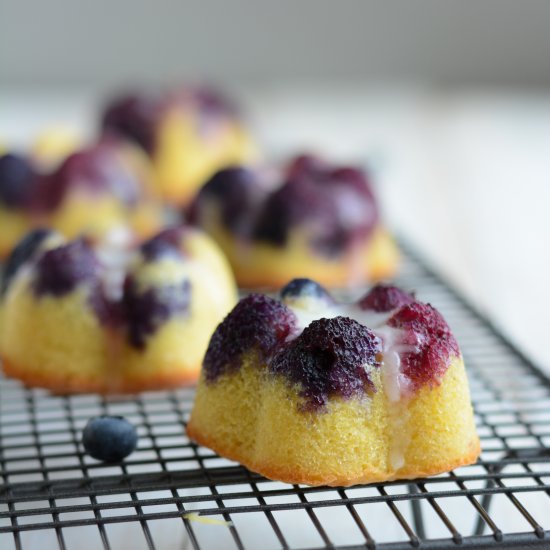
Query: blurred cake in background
[(310, 218), (94, 190), (189, 133), (97, 189), (114, 314)]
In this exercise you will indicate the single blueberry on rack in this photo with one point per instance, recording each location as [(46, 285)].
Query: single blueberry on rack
[(109, 438)]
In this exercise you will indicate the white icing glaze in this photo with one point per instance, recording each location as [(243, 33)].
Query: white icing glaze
[(397, 386), (115, 255)]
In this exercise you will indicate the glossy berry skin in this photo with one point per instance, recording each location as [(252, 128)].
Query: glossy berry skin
[(384, 298), (304, 288), (21, 254), (109, 438)]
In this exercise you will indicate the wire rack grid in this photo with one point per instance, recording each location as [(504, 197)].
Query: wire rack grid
[(171, 493)]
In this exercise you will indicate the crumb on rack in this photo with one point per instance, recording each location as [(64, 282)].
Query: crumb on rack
[(192, 516)]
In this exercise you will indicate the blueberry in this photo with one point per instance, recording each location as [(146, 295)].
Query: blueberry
[(328, 359), (258, 324), (304, 288), (24, 250), (61, 269), (109, 438), (16, 180)]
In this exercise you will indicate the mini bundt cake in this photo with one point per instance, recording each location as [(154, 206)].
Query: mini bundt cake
[(94, 190), (310, 219), (308, 390), (109, 316), (188, 133)]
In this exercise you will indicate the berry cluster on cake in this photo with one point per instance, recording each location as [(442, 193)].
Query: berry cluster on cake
[(94, 190), (309, 218)]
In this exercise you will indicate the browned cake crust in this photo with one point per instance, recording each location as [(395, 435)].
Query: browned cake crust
[(62, 384), (288, 475)]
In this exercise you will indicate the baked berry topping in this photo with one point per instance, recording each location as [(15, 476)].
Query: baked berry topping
[(305, 165), (384, 298), (98, 169), (109, 438), (167, 243), (257, 323), (61, 269), (305, 288), (334, 204), (146, 310), (332, 357), (236, 191), (17, 178), (134, 117), (21, 254), (431, 340)]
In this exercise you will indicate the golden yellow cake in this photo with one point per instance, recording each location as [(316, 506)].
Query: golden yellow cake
[(307, 219), (93, 190), (189, 133), (309, 390), (112, 316)]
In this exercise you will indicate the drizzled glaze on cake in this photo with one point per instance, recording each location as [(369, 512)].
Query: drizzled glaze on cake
[(109, 275), (328, 349)]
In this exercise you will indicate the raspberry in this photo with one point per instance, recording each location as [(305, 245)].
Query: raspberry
[(383, 298), (427, 332)]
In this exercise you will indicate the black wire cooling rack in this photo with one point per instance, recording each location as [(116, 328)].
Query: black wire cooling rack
[(172, 494)]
